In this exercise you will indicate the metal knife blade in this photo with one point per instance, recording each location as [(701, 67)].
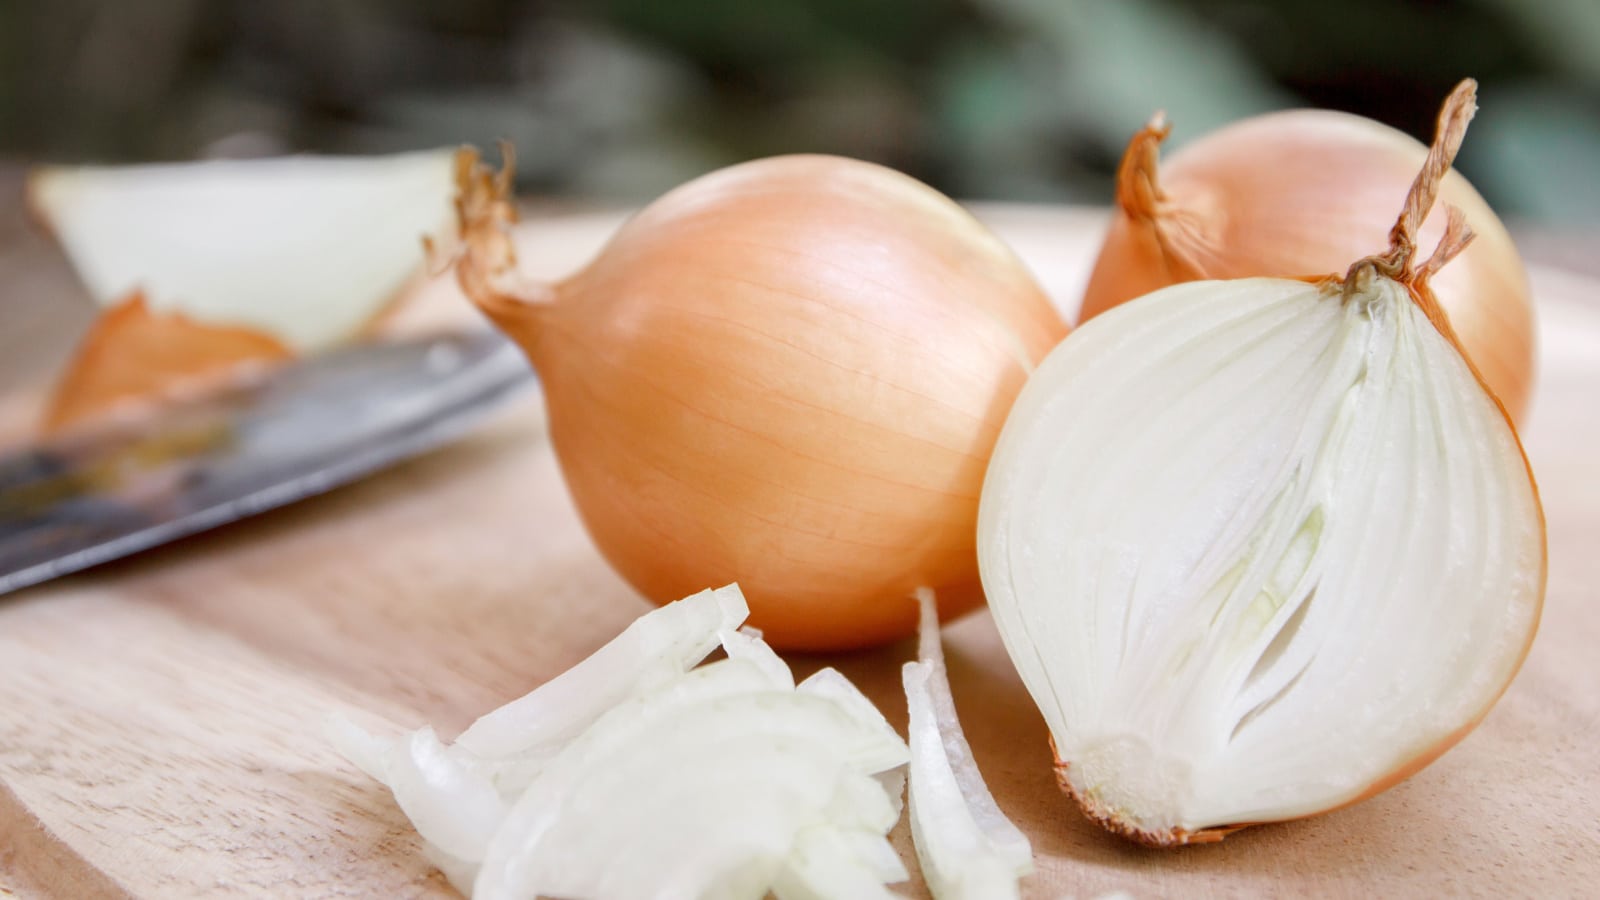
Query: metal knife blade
[(305, 429)]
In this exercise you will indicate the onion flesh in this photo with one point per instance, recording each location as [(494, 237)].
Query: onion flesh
[(303, 249), (652, 650), (211, 273), (1262, 548), (723, 780), (967, 846)]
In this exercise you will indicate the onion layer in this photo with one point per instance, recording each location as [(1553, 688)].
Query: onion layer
[(726, 780), (967, 846), (1262, 548), (211, 272), (790, 372), (133, 358), (1301, 193)]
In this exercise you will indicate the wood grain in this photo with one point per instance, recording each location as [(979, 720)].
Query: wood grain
[(160, 717)]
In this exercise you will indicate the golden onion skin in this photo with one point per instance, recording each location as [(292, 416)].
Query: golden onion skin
[(790, 374)]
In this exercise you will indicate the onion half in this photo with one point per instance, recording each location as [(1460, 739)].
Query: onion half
[(1262, 548)]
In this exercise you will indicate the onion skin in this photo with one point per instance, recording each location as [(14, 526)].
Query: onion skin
[(1306, 191), (788, 373), (133, 358)]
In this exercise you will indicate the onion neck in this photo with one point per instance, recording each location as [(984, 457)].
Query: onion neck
[(486, 262), (1398, 262), (1138, 183), (516, 305), (1181, 227)]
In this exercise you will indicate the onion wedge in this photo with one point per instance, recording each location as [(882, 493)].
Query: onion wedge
[(306, 250)]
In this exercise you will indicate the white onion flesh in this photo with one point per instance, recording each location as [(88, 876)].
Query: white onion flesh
[(1258, 550), (635, 776), (829, 862), (306, 249), (656, 648), (967, 846)]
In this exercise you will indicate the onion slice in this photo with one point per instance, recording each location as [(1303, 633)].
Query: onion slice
[(724, 780), (967, 846), (652, 650)]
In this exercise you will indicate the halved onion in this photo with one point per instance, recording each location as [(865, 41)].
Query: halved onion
[(1262, 548), (1235, 520)]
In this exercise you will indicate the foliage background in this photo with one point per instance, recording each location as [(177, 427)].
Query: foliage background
[(616, 100)]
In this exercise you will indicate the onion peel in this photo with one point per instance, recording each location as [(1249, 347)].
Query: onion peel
[(134, 358)]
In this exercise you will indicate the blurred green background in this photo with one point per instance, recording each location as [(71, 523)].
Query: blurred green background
[(616, 100)]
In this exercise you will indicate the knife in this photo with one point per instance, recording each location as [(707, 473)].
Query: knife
[(305, 429)]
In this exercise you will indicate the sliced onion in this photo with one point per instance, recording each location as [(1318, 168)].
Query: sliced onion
[(829, 862), (451, 806), (742, 770), (746, 644), (458, 872), (727, 780), (653, 649), (967, 846), (369, 752)]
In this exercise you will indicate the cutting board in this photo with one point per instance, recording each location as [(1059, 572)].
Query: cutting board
[(160, 717)]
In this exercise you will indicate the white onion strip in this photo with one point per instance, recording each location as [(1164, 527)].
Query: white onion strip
[(966, 845), (722, 780), (655, 648)]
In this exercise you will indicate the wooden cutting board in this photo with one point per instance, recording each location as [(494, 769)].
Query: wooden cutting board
[(160, 717)]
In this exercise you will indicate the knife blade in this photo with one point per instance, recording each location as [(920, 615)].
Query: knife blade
[(303, 430)]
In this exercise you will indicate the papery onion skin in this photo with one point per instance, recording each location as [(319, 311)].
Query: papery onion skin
[(134, 358), (1301, 193), (791, 373)]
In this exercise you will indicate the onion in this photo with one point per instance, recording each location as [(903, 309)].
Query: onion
[(967, 846), (790, 372), (304, 249), (133, 358), (722, 780), (1263, 548), (1302, 193), (209, 272)]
